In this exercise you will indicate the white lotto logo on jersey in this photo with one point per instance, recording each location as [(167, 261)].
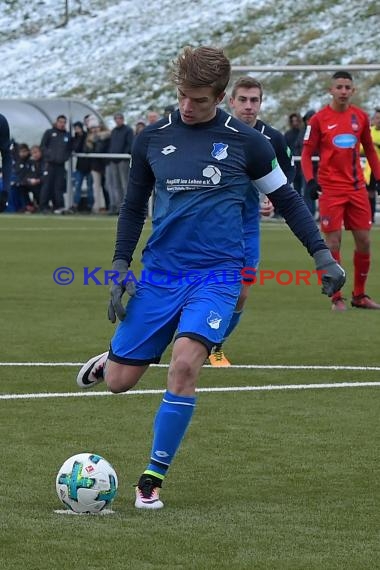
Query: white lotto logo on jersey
[(212, 172), (168, 149)]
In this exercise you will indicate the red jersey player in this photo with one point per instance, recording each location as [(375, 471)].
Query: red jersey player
[(335, 133)]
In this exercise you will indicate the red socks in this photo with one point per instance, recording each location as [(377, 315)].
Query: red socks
[(361, 266)]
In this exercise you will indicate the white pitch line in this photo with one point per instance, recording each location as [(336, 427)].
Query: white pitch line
[(267, 388), (232, 367)]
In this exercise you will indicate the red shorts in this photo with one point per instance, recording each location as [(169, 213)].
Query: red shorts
[(351, 209)]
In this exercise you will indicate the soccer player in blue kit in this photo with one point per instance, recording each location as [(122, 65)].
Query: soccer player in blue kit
[(199, 162), (245, 101)]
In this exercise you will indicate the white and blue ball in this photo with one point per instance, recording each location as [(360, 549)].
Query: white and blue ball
[(86, 483)]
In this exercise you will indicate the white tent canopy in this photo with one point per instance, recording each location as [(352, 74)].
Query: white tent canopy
[(29, 118)]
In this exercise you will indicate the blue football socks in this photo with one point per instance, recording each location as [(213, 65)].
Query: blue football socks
[(170, 425)]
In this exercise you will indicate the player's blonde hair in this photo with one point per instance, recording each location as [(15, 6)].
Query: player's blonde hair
[(202, 67)]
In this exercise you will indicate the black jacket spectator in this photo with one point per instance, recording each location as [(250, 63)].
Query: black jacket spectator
[(291, 137), (79, 145), (98, 141), (292, 134), (56, 146), (34, 173), (121, 141)]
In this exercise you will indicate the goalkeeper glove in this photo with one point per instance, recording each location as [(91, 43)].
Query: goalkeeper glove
[(313, 189), (3, 200), (118, 288), (333, 276)]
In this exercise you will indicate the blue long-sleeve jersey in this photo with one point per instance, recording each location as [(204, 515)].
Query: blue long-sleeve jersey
[(200, 175)]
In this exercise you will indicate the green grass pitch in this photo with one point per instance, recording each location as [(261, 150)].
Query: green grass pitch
[(274, 479)]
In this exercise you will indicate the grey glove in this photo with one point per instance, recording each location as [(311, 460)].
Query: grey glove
[(333, 276), (118, 288)]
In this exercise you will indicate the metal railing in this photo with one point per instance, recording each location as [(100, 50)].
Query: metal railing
[(100, 155), (296, 68), (69, 180)]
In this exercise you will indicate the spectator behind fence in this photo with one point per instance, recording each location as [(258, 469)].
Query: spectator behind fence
[(152, 117), (140, 126), (118, 169), (19, 199), (6, 162), (291, 137), (82, 169), (56, 146), (368, 175), (97, 141), (33, 178)]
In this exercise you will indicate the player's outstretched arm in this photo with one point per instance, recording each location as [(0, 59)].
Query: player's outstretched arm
[(271, 180), (129, 227)]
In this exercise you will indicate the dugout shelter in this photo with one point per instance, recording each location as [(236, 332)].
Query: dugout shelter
[(29, 118)]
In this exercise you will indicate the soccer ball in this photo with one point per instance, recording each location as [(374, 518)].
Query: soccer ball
[(86, 483)]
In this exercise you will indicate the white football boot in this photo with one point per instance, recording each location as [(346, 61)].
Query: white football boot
[(147, 494), (92, 372)]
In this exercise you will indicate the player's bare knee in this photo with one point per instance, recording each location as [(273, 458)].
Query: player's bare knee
[(116, 384), (182, 375), (117, 378), (182, 366)]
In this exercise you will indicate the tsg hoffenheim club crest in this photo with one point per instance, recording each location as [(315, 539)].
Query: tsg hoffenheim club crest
[(214, 320), (219, 151)]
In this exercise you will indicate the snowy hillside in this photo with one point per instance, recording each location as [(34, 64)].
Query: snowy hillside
[(115, 53)]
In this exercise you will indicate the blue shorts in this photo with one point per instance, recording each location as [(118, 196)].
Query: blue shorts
[(201, 311)]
